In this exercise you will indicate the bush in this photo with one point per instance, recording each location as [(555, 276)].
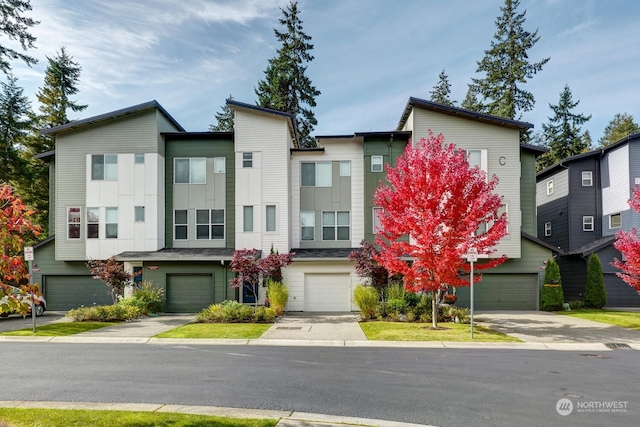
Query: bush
[(576, 305), (265, 315), (366, 298), (148, 298), (552, 295), (411, 299), (105, 313), (396, 306), (595, 294), (278, 295), (395, 291), (235, 312)]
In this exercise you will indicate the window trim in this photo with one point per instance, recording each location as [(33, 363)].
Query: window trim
[(586, 224), (210, 224), (611, 226), (380, 163), (76, 222), (547, 229), (589, 179), (93, 223), (549, 187)]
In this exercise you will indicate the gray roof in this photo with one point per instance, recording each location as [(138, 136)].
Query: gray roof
[(179, 254), (110, 116), (321, 254), (593, 246), (541, 242)]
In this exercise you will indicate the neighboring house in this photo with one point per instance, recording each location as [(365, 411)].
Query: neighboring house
[(175, 204), (582, 204)]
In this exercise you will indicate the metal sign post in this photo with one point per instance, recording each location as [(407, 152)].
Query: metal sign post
[(28, 256), (472, 256)]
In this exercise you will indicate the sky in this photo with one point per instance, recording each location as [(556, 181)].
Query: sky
[(370, 55)]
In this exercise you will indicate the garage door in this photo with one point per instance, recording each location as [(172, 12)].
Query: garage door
[(188, 293), (67, 292), (502, 292), (327, 292), (619, 294)]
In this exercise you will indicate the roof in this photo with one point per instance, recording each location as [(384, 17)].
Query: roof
[(540, 242), (178, 136), (111, 116), (460, 112), (179, 254), (322, 254), (46, 156), (291, 117), (44, 242), (403, 134), (593, 246), (535, 149)]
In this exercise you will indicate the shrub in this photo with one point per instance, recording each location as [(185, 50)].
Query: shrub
[(552, 296), (148, 298), (105, 313), (265, 314), (411, 299), (395, 291), (576, 305), (278, 295), (235, 312), (595, 294), (366, 298), (396, 306)]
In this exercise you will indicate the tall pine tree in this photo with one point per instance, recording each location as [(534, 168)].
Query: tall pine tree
[(620, 126), (16, 27), (563, 133), (471, 102), (507, 66), (285, 86), (442, 90), (16, 121), (224, 119)]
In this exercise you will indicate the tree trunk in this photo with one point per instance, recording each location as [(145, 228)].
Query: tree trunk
[(434, 309)]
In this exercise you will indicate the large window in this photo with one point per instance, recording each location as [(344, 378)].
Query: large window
[(587, 223), (74, 221), (547, 229), (104, 167), (111, 222), (93, 223), (587, 178), (308, 225), (210, 224), (615, 221), (180, 224), (335, 225), (316, 174), (190, 171), (377, 164), (270, 217), (247, 222)]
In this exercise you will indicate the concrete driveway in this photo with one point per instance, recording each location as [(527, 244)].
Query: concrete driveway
[(328, 327)]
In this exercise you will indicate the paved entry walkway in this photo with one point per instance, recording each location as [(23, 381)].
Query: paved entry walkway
[(304, 327)]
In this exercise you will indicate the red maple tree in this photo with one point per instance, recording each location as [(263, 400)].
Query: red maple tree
[(628, 243), (437, 199)]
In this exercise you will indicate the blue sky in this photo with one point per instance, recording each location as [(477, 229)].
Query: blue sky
[(370, 55)]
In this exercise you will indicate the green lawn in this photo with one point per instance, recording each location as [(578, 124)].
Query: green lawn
[(624, 319), (59, 329), (217, 330), (18, 417), (399, 331)]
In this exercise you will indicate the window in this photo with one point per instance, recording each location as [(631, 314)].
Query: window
[(550, 187), (504, 210), (335, 225), (474, 158), (247, 218), (587, 223), (315, 174), (139, 158), (547, 229), (104, 167), (376, 164), (93, 223), (270, 216), (219, 164), (615, 221), (180, 224), (190, 171), (111, 222), (376, 220), (210, 224), (308, 225), (247, 160), (587, 179), (345, 168), (138, 213), (73, 223)]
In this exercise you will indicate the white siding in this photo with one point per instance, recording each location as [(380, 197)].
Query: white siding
[(295, 280), (616, 195), (560, 187)]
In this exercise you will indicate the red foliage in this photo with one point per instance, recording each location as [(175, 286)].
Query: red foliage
[(250, 268), (112, 273), (628, 243), (437, 199), (367, 267)]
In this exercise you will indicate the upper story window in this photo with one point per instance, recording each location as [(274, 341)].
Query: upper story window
[(550, 187), (210, 224), (111, 222), (377, 164), (615, 220), (180, 224), (587, 223), (247, 221), (74, 221), (219, 164), (587, 178), (547, 229), (345, 168), (190, 171), (247, 160), (307, 225), (335, 225), (138, 213), (377, 211), (93, 223), (474, 158), (139, 158), (104, 167), (315, 174), (270, 218)]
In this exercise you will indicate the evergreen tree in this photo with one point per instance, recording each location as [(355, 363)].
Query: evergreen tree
[(563, 132), (224, 119), (15, 123), (595, 294), (620, 126), (442, 90), (286, 86), (552, 295), (16, 27), (471, 101), (507, 65)]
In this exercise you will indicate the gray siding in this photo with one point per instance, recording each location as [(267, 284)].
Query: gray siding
[(583, 201), (528, 193), (573, 271), (555, 212)]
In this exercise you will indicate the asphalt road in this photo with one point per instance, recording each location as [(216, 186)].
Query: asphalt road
[(444, 387)]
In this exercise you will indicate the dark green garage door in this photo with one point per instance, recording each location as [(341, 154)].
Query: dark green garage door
[(502, 292), (189, 293), (66, 292)]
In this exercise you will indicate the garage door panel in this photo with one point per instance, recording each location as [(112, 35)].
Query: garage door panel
[(502, 292), (68, 292), (619, 294), (189, 293), (327, 292)]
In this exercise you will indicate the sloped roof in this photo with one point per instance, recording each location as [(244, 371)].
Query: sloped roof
[(541, 242), (291, 117), (593, 246), (316, 254), (179, 254)]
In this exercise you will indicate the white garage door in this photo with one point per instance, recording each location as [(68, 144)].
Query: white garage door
[(327, 292)]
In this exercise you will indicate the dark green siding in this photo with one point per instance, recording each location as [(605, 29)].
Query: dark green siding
[(208, 148), (528, 192)]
